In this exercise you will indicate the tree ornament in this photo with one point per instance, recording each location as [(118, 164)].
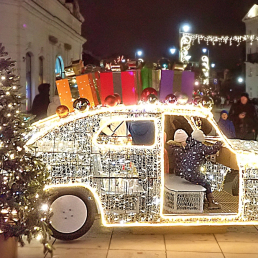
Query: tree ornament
[(207, 102), (110, 101), (118, 98), (81, 104), (146, 92), (182, 99), (152, 99), (171, 99), (62, 111)]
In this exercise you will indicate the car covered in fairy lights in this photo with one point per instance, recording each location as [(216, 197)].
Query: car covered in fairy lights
[(93, 171)]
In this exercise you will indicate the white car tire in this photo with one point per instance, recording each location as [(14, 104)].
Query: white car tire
[(73, 213)]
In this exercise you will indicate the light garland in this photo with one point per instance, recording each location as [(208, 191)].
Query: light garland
[(127, 181), (188, 39)]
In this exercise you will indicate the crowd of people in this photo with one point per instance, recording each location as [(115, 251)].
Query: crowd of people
[(241, 122)]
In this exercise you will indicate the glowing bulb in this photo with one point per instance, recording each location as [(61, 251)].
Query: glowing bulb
[(44, 207), (39, 237), (2, 78)]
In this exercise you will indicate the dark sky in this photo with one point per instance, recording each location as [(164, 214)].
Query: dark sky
[(122, 26)]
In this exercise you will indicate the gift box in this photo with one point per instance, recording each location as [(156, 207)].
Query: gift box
[(86, 89), (127, 84), (176, 81), (65, 94)]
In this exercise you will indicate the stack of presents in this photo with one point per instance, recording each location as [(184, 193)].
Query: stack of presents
[(96, 86)]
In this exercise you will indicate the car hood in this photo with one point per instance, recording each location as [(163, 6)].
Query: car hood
[(244, 146)]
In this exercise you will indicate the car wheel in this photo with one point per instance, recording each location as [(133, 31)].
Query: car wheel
[(73, 213), (235, 186)]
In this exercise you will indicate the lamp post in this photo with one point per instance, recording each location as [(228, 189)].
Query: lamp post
[(182, 29)]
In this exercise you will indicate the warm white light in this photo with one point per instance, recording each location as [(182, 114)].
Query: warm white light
[(188, 58), (44, 207), (196, 83), (2, 78), (39, 237)]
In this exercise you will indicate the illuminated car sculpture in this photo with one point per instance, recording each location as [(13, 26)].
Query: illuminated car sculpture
[(125, 181)]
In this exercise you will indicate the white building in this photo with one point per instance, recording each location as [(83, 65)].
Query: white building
[(251, 22), (43, 36)]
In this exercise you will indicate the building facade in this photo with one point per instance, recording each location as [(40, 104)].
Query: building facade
[(42, 36), (251, 23)]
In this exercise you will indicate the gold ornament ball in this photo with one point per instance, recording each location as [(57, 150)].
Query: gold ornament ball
[(62, 111)]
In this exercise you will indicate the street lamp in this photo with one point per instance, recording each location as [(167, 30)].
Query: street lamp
[(138, 53), (213, 65), (183, 29), (186, 28), (172, 50), (204, 50), (240, 80)]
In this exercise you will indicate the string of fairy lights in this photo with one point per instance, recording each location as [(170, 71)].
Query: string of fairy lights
[(188, 39), (127, 180)]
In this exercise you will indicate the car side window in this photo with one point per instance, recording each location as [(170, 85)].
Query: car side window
[(204, 125), (127, 132)]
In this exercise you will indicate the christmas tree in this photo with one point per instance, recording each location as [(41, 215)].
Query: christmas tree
[(23, 211)]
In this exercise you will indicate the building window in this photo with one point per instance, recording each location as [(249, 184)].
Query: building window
[(250, 72), (28, 81), (41, 69), (59, 67)]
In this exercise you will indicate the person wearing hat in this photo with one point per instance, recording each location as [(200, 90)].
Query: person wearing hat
[(244, 117), (192, 160), (176, 152), (226, 126)]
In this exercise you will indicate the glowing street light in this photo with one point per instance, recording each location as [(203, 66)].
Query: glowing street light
[(240, 80), (186, 28), (183, 29), (213, 65), (138, 53), (172, 50), (204, 50)]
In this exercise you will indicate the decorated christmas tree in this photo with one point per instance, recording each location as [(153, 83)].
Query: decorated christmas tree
[(23, 208)]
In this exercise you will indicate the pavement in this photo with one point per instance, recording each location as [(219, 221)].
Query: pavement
[(155, 242)]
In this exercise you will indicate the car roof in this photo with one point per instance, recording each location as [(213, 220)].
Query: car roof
[(42, 127)]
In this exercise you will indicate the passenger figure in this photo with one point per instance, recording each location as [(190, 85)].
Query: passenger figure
[(175, 149), (192, 160)]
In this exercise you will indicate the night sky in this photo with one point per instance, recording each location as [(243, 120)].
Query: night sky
[(123, 26)]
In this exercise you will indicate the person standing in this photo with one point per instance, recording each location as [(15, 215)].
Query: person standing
[(41, 102), (226, 126), (244, 118)]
